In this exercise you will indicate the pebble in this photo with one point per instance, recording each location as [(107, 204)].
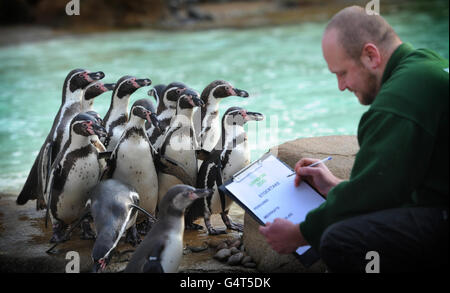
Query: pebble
[(221, 246), (250, 265), (222, 254), (234, 250), (236, 243), (235, 259), (246, 259)]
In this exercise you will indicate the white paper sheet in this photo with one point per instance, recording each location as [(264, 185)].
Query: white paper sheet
[(266, 190)]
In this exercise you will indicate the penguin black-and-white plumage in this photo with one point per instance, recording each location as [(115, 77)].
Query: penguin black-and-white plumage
[(73, 88), (161, 250), (167, 99), (75, 171), (212, 95), (228, 157), (113, 206), (132, 161), (180, 144), (117, 115), (93, 91)]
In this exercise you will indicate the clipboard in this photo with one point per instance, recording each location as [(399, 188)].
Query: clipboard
[(308, 257)]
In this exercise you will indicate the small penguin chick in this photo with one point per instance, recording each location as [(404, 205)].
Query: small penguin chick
[(162, 249)]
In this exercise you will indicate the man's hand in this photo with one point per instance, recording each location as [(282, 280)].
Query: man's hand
[(320, 177), (283, 236)]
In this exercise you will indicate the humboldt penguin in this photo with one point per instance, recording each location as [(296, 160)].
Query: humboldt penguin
[(228, 157), (132, 161), (212, 95), (113, 206), (161, 250), (180, 144), (73, 88), (91, 92), (117, 115), (75, 171), (166, 109), (157, 92)]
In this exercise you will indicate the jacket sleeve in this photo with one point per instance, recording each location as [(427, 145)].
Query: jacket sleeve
[(392, 160)]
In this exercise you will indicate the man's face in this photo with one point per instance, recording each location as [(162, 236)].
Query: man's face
[(351, 74)]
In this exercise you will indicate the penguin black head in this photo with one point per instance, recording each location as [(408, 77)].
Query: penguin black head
[(179, 197), (86, 125), (157, 92), (174, 90), (144, 109), (96, 116), (101, 251), (97, 89), (80, 79), (189, 99), (221, 89), (127, 85), (240, 116)]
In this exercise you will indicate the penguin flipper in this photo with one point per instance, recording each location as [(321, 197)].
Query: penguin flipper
[(104, 155), (172, 167), (150, 216), (29, 188)]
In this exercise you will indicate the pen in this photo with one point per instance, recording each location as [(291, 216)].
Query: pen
[(313, 164)]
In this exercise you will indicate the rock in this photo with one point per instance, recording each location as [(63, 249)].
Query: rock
[(343, 150), (222, 254), (236, 243), (234, 250), (246, 259), (249, 265), (214, 242), (222, 246), (235, 259)]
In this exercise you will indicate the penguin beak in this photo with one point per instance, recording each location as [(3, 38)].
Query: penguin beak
[(143, 82), (239, 93), (99, 130), (254, 116), (197, 102), (93, 76), (152, 118), (109, 86), (200, 193)]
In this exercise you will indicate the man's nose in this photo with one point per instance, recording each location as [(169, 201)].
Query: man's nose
[(341, 84)]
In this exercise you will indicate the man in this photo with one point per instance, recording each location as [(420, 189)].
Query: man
[(396, 200)]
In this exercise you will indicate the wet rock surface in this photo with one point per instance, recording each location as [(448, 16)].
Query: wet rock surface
[(24, 240)]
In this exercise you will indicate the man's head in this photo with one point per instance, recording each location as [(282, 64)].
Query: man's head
[(356, 47)]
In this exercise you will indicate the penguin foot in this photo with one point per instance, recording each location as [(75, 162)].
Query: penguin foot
[(236, 227), (230, 225), (59, 234), (144, 227), (193, 226), (132, 236), (86, 230)]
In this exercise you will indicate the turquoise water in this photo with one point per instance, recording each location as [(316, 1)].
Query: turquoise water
[(281, 67)]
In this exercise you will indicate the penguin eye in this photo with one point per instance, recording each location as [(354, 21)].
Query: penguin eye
[(128, 81)]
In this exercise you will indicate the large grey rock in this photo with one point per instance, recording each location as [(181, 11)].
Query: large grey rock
[(343, 150)]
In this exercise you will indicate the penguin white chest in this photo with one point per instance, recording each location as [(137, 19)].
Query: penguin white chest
[(83, 175), (135, 166), (173, 250)]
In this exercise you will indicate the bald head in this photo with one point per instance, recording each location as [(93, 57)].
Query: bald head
[(354, 28)]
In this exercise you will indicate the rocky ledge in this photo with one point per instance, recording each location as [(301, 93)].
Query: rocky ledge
[(24, 238)]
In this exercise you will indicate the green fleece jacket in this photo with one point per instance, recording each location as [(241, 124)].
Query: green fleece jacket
[(403, 159)]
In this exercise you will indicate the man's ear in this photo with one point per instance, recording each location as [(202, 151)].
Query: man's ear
[(371, 56)]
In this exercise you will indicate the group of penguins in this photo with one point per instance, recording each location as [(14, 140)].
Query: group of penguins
[(166, 162)]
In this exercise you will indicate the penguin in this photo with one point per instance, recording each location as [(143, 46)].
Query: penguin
[(132, 161), (73, 88), (117, 115), (162, 249), (113, 206), (91, 92), (75, 171), (157, 92), (212, 95), (167, 99), (180, 144), (229, 156)]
